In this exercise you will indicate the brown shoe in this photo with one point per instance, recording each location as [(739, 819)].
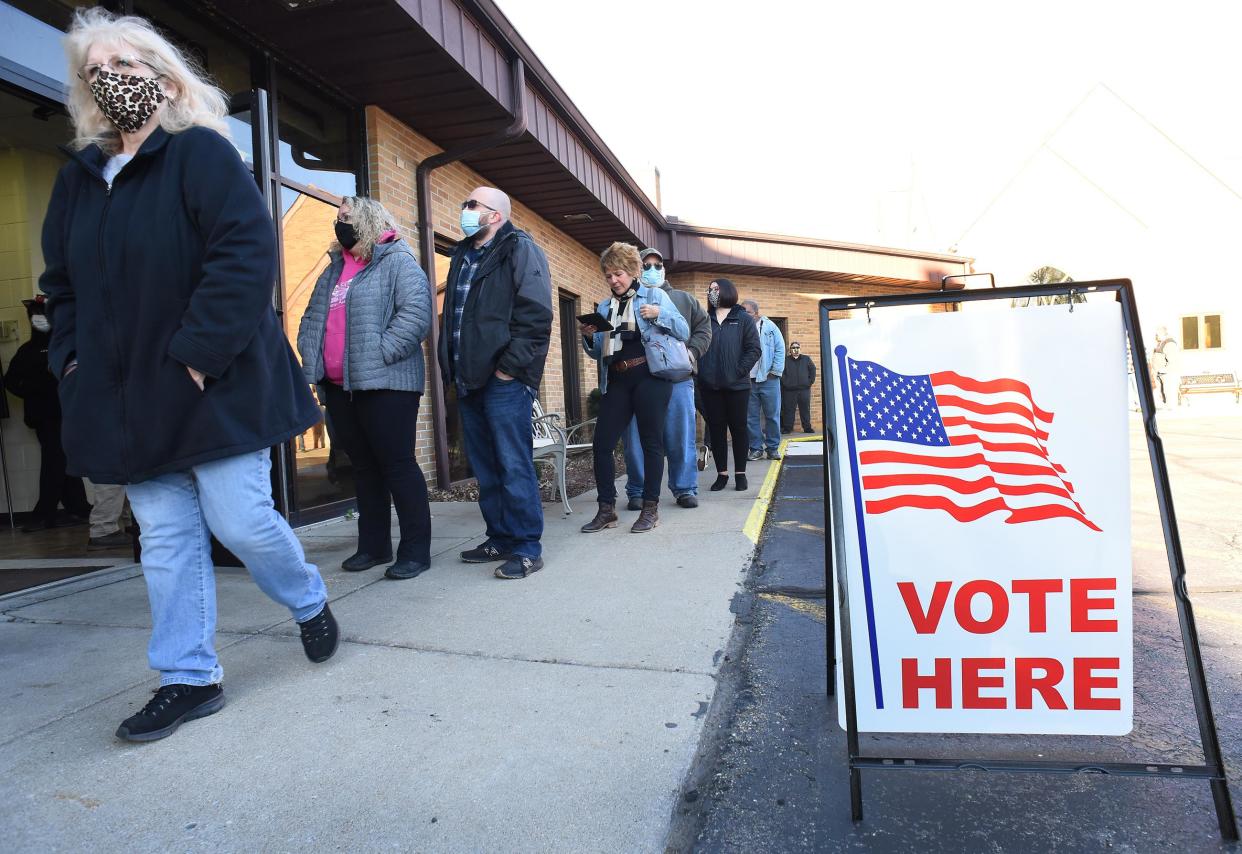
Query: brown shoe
[(648, 519), (605, 517)]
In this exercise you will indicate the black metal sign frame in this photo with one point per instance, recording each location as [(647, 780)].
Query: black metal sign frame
[(1213, 768)]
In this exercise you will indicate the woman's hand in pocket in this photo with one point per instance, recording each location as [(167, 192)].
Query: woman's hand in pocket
[(198, 376)]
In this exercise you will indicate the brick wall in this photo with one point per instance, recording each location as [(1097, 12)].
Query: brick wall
[(793, 299), (395, 152)]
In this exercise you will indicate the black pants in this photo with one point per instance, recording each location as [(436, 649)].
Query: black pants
[(55, 487), (799, 398), (377, 430), (631, 394), (725, 413)]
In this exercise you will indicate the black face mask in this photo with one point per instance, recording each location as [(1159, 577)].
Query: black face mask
[(346, 234)]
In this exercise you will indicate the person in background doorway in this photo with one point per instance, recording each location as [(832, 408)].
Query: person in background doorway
[(176, 378), (679, 426), (495, 333), (724, 381), (765, 387), (29, 379), (796, 384), (106, 511), (1162, 357), (629, 390), (361, 343)]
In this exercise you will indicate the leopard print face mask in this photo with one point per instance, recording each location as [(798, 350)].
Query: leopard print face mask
[(126, 100)]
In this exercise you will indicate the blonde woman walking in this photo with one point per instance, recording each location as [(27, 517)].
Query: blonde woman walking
[(175, 377)]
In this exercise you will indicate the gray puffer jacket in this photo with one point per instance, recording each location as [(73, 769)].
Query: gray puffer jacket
[(389, 314)]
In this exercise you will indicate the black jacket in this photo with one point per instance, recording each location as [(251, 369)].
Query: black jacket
[(172, 267), (733, 352), (29, 379), (799, 372), (507, 321)]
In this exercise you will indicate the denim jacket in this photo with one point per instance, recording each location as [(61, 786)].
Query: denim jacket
[(669, 319), (772, 362)]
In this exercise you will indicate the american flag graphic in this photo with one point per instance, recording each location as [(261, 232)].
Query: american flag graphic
[(947, 442)]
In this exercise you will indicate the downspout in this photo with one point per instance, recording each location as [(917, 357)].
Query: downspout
[(427, 247)]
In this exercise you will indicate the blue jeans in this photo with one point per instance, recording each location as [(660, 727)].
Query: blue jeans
[(496, 420), (679, 447), (178, 513), (765, 399)]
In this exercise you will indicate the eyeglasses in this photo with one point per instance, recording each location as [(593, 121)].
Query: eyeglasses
[(653, 265), (471, 204), (124, 64)]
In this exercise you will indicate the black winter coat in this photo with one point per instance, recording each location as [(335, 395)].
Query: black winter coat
[(172, 267), (799, 372), (733, 352), (29, 379), (507, 321)]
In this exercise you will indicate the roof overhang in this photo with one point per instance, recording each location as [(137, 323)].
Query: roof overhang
[(443, 68), (783, 256)]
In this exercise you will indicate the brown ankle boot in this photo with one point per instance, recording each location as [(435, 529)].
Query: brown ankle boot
[(648, 519), (605, 517)]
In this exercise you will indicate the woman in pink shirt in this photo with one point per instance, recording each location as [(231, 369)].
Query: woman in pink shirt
[(361, 343)]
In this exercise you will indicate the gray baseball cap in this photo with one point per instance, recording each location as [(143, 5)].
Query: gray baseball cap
[(656, 252)]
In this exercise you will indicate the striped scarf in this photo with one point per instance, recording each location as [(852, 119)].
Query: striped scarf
[(621, 316)]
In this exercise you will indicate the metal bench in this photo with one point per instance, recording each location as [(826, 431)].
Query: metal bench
[(1208, 383), (553, 444)]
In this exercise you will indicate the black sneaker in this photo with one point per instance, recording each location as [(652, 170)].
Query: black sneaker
[(636, 503), (404, 569), (486, 553), (362, 560), (688, 501), (115, 540), (171, 706), (755, 455), (320, 635), (774, 455), (519, 567)]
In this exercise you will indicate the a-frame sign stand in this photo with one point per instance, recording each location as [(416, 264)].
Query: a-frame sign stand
[(1213, 767)]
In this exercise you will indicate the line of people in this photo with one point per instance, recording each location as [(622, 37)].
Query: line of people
[(175, 377)]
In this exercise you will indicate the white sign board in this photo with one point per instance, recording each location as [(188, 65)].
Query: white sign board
[(983, 465)]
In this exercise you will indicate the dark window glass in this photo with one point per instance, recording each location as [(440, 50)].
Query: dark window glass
[(1211, 332), (571, 357), (324, 472), (314, 139), (1190, 333), (459, 464)]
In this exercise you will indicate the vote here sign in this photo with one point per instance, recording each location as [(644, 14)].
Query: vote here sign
[(984, 477)]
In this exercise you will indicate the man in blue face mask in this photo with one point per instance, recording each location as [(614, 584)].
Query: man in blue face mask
[(679, 425), (497, 271)]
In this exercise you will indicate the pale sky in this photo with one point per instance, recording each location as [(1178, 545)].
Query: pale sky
[(898, 123)]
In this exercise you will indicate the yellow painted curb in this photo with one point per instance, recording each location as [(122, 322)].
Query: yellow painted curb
[(759, 512)]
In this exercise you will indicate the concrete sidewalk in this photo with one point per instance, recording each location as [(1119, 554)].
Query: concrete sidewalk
[(462, 713)]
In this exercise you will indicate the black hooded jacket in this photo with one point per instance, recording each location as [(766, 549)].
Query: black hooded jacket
[(29, 379), (733, 352), (506, 323), (173, 266)]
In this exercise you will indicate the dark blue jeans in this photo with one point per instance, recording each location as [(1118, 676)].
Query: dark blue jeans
[(497, 424)]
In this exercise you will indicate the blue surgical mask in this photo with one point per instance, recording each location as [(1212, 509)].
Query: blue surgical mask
[(470, 223), (653, 277)]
